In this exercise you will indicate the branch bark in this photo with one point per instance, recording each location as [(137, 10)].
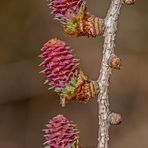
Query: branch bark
[(106, 118)]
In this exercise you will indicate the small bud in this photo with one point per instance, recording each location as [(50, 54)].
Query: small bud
[(114, 62), (115, 119), (61, 133), (129, 2)]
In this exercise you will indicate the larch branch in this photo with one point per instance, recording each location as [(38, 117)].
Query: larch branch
[(106, 118)]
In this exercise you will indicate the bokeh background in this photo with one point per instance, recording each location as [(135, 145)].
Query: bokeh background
[(25, 103)]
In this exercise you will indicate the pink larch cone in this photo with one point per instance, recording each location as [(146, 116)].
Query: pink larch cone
[(75, 18), (63, 74), (61, 133), (59, 63)]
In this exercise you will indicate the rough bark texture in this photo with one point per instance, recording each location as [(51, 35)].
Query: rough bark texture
[(111, 21)]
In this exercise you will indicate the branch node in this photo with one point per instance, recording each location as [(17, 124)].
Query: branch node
[(101, 26), (129, 2), (114, 62), (114, 118), (96, 87)]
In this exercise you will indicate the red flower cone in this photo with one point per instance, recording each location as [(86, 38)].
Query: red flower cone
[(75, 18), (63, 73), (59, 63), (61, 133)]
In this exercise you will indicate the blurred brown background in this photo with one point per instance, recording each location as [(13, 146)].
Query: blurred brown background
[(25, 103)]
